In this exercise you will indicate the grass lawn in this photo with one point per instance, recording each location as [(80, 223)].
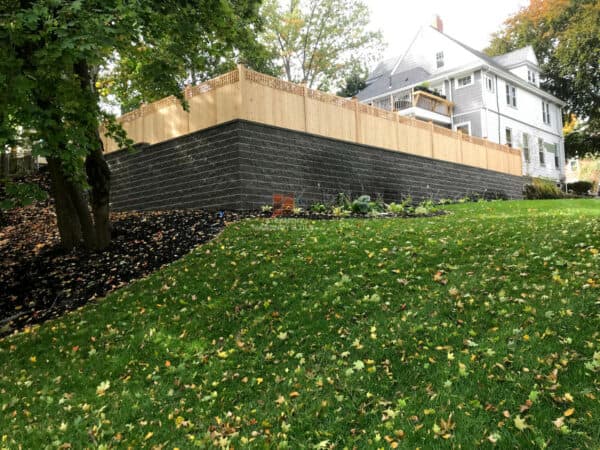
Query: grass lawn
[(480, 328)]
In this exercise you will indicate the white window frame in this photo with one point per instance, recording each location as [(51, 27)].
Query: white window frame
[(526, 148), (462, 124), (574, 165), (546, 112), (489, 84), (472, 78), (541, 152), (439, 59), (531, 76), (507, 131), (511, 100)]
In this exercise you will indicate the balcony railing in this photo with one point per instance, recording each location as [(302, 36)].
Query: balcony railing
[(415, 99)]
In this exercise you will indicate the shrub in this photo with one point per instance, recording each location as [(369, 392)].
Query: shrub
[(362, 205), (318, 208), (580, 187), (542, 189)]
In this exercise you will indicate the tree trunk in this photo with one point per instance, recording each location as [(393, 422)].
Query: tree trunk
[(67, 218), (98, 175)]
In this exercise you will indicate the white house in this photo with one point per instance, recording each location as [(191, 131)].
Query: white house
[(495, 98)]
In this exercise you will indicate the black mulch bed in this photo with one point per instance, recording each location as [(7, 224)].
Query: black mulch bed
[(40, 281)]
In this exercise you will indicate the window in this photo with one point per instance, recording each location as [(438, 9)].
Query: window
[(574, 165), (553, 148), (511, 95), (489, 84), (464, 81), (464, 128), (509, 137), (531, 76), (546, 112), (439, 59), (526, 153), (541, 152)]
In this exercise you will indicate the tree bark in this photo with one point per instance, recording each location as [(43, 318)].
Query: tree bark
[(98, 175), (67, 218)]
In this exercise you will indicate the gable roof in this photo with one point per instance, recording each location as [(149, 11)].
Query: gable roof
[(393, 82), (517, 57)]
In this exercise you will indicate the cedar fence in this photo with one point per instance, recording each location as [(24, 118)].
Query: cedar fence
[(249, 95)]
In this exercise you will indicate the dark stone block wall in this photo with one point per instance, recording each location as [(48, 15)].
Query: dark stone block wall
[(240, 165)]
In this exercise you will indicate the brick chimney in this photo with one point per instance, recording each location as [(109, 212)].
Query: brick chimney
[(438, 24)]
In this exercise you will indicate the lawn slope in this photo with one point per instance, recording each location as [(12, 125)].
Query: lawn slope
[(479, 328)]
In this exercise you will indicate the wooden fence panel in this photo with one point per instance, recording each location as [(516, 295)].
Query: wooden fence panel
[(203, 110), (331, 120), (378, 131), (264, 104), (473, 154)]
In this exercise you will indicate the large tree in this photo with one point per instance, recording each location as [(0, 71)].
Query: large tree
[(51, 54), (565, 35), (320, 42)]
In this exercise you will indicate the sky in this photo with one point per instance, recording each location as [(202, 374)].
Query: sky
[(469, 21)]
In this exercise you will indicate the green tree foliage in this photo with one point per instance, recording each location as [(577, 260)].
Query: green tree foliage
[(566, 38), (319, 42), (205, 45), (355, 82), (51, 54)]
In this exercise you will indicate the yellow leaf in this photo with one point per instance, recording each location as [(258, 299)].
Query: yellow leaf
[(520, 423), (294, 394), (569, 412), (559, 422), (102, 388), (149, 435), (33, 359)]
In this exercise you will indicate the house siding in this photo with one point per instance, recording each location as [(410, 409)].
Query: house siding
[(474, 118), (468, 98)]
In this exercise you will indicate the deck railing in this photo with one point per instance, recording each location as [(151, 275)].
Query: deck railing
[(249, 95)]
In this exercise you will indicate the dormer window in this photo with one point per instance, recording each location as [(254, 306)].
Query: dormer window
[(439, 59), (531, 76)]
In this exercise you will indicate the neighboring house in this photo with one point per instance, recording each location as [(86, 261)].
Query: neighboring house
[(495, 98), (584, 169)]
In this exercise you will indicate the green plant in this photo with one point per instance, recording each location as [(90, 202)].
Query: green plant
[(297, 210), (339, 211), (421, 211), (361, 205), (395, 208), (580, 187), (344, 201), (21, 194), (266, 208), (541, 188), (318, 208)]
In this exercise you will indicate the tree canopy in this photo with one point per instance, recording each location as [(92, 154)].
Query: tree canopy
[(319, 42), (565, 35), (51, 55)]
